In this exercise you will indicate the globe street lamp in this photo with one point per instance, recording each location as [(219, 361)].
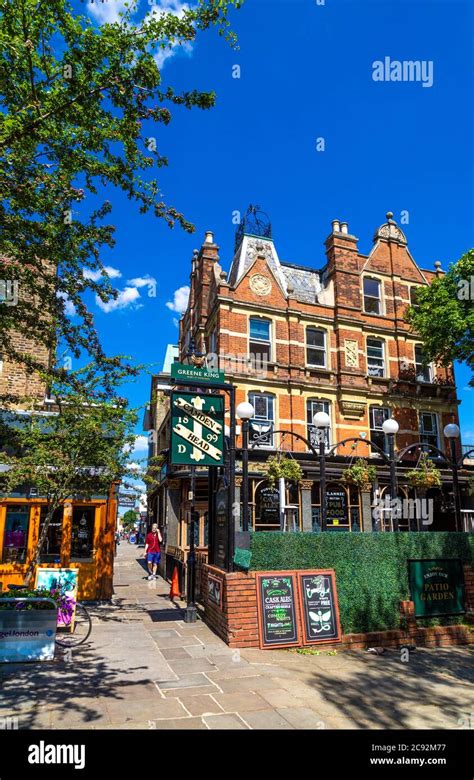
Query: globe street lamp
[(452, 433), (245, 412), (321, 422), (390, 429)]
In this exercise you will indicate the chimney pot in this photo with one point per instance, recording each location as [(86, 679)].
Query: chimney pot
[(335, 226), (344, 227), (209, 237)]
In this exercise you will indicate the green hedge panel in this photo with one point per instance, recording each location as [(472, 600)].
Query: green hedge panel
[(371, 569)]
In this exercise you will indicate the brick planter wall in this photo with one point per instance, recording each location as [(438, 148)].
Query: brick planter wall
[(235, 620)]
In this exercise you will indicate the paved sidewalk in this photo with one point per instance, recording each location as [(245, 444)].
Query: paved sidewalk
[(145, 668)]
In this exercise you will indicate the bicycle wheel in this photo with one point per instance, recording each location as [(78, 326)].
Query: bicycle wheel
[(81, 631)]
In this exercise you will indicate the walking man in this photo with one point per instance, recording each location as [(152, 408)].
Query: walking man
[(153, 550)]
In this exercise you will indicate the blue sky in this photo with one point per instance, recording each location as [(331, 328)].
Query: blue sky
[(305, 73)]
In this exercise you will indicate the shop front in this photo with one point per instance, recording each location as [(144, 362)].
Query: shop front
[(80, 535)]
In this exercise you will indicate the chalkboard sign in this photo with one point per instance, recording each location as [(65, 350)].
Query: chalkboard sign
[(277, 613), (336, 507), (269, 505), (319, 606)]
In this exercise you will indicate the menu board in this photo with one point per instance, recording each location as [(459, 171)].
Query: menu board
[(269, 503), (319, 606), (336, 507), (277, 613)]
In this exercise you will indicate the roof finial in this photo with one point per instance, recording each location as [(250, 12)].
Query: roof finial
[(389, 215)]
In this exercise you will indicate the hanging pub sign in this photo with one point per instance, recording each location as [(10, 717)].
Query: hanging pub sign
[(319, 606), (277, 611), (437, 586), (197, 429)]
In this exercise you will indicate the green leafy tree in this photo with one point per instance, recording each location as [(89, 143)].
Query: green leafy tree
[(81, 448), (81, 108), (443, 315), (130, 519)]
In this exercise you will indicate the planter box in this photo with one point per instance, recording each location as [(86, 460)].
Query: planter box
[(27, 635)]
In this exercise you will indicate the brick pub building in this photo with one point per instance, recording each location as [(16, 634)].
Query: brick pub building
[(296, 340)]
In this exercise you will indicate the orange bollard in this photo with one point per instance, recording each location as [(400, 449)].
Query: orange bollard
[(175, 591)]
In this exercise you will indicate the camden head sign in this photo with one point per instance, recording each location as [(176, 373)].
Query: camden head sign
[(197, 429)]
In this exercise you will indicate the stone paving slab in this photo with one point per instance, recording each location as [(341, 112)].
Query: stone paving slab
[(189, 690), (203, 704), (241, 702), (224, 722), (267, 719), (159, 709)]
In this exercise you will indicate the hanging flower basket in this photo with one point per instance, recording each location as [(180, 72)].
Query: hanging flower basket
[(360, 474), (425, 475), (286, 468)]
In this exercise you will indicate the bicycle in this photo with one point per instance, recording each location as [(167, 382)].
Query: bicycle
[(77, 625)]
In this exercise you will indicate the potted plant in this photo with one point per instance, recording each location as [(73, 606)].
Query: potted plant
[(283, 468), (28, 624), (360, 474), (425, 475)]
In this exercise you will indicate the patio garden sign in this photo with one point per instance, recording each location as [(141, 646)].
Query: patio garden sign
[(437, 586)]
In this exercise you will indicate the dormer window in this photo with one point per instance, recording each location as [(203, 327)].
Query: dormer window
[(372, 296)]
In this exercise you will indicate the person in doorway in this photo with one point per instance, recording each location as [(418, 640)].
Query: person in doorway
[(153, 550)]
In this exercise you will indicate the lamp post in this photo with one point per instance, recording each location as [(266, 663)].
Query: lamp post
[(452, 433), (390, 428), (245, 412), (322, 421)]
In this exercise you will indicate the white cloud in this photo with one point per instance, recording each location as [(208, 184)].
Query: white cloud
[(177, 8), (179, 303), (126, 298), (69, 307), (142, 281), (176, 322), (113, 273), (140, 446), (129, 296), (106, 12)]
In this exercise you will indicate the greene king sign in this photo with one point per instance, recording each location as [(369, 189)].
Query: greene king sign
[(197, 429)]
